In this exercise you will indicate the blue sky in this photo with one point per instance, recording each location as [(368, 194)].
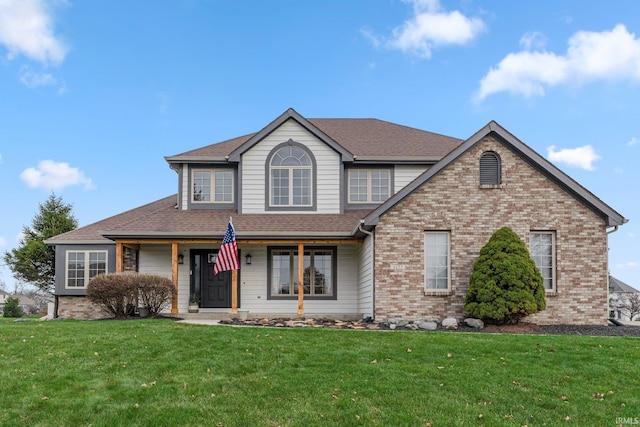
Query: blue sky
[(94, 94)]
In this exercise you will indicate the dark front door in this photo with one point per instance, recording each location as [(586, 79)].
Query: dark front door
[(214, 291)]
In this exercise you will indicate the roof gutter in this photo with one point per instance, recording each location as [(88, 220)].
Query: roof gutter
[(615, 227)]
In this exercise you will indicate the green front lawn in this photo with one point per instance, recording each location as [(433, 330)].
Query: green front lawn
[(162, 373)]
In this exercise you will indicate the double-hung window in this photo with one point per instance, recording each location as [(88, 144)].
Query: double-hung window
[(544, 255), (291, 177), (437, 260), (82, 266), (369, 185), (212, 186), (319, 272)]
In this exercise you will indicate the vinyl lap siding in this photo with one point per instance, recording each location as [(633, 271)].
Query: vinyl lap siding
[(365, 278), (156, 259), (185, 186), (254, 286), (327, 162), (403, 175)]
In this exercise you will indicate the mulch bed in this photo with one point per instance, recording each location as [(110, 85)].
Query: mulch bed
[(523, 328)]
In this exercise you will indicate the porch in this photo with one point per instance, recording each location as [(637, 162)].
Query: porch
[(188, 262)]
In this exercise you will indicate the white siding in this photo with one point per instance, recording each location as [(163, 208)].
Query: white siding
[(254, 163), (185, 186), (365, 278), (156, 259), (254, 287), (405, 174)]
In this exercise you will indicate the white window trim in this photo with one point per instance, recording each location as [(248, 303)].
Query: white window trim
[(369, 186), (290, 169), (212, 183), (553, 289), (433, 291), (87, 266)]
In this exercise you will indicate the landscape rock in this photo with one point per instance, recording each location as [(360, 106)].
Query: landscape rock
[(474, 323), (428, 326), (396, 321), (450, 323)]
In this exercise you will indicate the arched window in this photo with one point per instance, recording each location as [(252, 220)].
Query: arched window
[(291, 175), (490, 168)]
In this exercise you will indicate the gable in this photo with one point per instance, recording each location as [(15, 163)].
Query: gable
[(327, 165), (522, 151), (289, 116)]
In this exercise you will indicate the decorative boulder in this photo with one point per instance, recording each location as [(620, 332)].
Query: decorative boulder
[(474, 323), (450, 323), (429, 326)]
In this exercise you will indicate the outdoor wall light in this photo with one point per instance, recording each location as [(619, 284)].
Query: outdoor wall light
[(180, 258), (248, 259)]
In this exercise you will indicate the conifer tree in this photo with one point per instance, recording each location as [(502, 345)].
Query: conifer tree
[(33, 261), (505, 284)]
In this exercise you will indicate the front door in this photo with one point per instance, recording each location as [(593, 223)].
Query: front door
[(213, 291)]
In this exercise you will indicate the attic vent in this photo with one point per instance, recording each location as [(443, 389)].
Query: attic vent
[(490, 168)]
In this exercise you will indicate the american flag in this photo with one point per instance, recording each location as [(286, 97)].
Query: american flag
[(228, 255)]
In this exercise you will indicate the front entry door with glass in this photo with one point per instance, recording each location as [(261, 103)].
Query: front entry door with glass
[(213, 291)]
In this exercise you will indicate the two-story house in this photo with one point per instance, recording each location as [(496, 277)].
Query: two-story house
[(351, 218)]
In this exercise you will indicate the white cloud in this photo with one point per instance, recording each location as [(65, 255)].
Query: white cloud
[(0, 159), (630, 264), (581, 157), (532, 40), (3, 241), (633, 141), (31, 79), (53, 175), (26, 28), (608, 55), (429, 27)]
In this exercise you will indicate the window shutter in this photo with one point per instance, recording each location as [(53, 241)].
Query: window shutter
[(489, 169)]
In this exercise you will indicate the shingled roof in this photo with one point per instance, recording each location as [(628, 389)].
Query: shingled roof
[(363, 139), (161, 219)]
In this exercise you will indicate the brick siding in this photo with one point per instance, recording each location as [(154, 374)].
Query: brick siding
[(79, 307), (453, 201)]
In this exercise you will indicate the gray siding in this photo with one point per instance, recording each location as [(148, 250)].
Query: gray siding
[(60, 276)]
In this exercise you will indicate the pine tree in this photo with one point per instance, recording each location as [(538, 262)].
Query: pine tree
[(33, 261), (12, 308), (505, 284)]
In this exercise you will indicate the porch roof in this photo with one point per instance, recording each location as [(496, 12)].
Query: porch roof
[(161, 219)]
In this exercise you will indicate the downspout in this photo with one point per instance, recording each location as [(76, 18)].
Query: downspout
[(615, 228), (373, 272)]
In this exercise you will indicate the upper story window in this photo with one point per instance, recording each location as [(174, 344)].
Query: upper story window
[(212, 186), (82, 266), (291, 176), (490, 168), (369, 185)]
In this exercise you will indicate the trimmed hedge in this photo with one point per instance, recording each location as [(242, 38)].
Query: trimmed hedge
[(505, 284), (119, 294)]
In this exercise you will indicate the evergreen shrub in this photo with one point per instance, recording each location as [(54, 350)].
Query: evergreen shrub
[(505, 284), (12, 308)]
